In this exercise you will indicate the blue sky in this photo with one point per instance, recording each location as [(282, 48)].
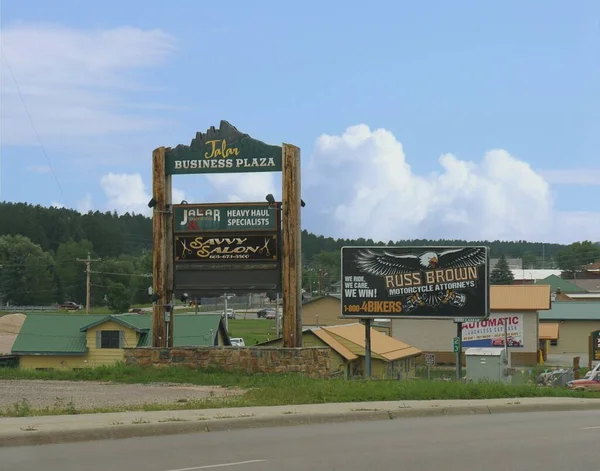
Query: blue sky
[(374, 94)]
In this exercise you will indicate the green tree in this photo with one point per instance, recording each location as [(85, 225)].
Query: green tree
[(119, 298), (70, 272), (531, 261), (501, 274), (107, 272), (26, 272), (572, 259)]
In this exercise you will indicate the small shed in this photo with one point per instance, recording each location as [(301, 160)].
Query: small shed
[(486, 364)]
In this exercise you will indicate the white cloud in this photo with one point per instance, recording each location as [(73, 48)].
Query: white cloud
[(38, 168), (85, 204), (243, 187), (128, 193), (75, 83), (359, 184), (581, 176)]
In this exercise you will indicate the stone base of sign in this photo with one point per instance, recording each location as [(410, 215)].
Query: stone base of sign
[(449, 359), (314, 362)]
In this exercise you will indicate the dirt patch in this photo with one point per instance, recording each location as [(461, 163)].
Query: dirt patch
[(93, 394)]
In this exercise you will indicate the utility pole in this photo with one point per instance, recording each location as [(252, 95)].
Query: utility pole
[(88, 293), (320, 274)]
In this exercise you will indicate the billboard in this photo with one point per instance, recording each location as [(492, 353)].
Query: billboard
[(226, 248), (223, 150), (237, 217), (491, 332), (213, 248), (417, 282)]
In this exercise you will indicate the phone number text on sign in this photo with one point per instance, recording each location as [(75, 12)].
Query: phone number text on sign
[(374, 307)]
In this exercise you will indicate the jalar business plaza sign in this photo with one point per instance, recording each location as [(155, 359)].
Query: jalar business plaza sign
[(223, 150)]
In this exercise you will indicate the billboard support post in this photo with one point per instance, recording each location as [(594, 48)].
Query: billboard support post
[(459, 351), (367, 323)]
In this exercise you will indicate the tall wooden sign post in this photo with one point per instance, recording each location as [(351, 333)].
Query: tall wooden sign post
[(162, 264), (225, 150), (292, 247)]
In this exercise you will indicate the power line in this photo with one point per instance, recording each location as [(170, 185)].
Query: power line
[(32, 123)]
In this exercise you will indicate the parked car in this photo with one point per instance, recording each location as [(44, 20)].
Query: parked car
[(137, 310), (511, 341), (271, 315), (263, 312), (237, 342), (230, 314), (593, 371), (589, 384), (70, 306)]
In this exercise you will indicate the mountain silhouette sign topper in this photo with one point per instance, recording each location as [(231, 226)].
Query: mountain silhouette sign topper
[(223, 150), (436, 282)]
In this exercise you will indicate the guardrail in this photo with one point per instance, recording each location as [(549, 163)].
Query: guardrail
[(5, 308)]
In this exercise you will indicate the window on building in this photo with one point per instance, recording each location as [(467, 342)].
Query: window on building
[(110, 339), (554, 343)]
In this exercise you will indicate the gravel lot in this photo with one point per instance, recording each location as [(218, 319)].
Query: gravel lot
[(90, 395)]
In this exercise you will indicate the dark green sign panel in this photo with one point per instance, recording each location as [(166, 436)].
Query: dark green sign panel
[(223, 150), (225, 217), (596, 345), (201, 248)]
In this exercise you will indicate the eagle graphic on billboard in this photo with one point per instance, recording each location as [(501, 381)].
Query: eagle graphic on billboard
[(385, 263)]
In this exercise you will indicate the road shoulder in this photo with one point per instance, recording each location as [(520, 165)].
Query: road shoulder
[(72, 428)]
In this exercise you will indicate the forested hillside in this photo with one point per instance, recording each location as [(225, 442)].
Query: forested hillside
[(112, 235), (39, 248)]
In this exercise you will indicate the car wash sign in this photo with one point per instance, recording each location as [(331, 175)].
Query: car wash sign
[(235, 217), (494, 331), (421, 282)]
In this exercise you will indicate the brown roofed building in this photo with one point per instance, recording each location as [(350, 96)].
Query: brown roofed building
[(391, 358)]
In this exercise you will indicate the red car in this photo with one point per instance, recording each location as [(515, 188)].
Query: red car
[(511, 341), (590, 384)]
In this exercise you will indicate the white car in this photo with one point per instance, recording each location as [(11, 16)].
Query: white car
[(592, 373), (237, 342), (230, 314)]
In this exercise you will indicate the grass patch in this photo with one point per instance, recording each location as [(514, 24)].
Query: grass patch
[(253, 331), (272, 390)]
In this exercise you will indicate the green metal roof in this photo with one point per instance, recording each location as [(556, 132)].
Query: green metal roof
[(572, 310), (55, 334), (191, 330), (122, 319), (557, 282)]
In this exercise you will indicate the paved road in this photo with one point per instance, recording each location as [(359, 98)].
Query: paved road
[(525, 442)]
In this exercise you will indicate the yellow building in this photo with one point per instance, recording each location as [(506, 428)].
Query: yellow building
[(390, 358), (567, 328), (74, 341)]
